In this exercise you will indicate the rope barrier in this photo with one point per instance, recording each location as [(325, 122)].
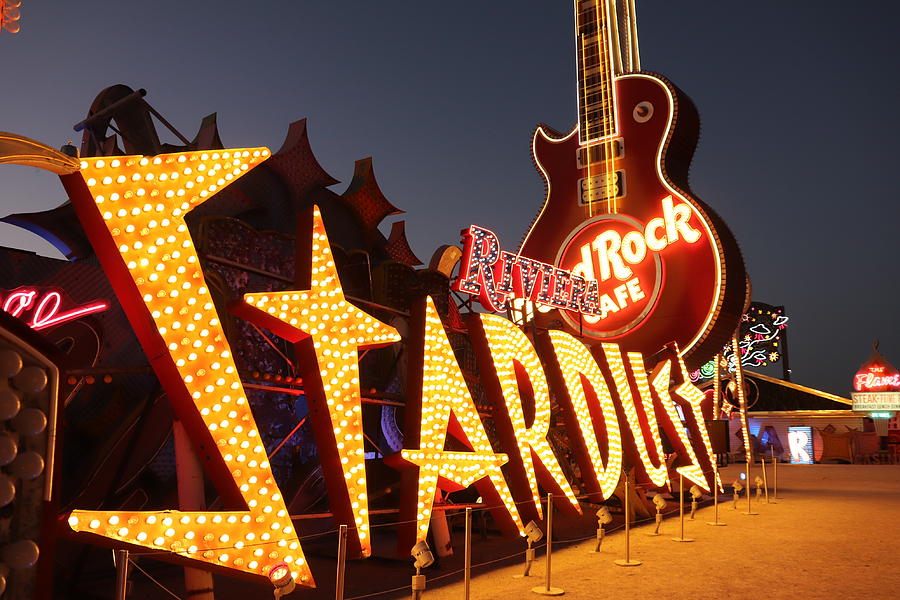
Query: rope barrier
[(151, 578)]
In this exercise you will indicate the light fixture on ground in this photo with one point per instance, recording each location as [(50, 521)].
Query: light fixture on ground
[(660, 503), (280, 576), (696, 494), (423, 558), (533, 534), (759, 482), (738, 486), (604, 517)]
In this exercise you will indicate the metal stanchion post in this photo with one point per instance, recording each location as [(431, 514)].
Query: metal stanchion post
[(715, 493), (765, 479), (681, 510), (627, 562), (341, 563), (546, 589), (468, 557), (121, 574), (749, 505), (775, 474)]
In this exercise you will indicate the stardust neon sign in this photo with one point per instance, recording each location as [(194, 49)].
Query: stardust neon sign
[(44, 307), (608, 270), (133, 210)]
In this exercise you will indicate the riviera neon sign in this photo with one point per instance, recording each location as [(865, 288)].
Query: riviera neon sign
[(44, 306), (598, 253)]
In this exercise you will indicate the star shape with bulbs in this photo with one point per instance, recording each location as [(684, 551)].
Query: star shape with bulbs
[(133, 209), (336, 330)]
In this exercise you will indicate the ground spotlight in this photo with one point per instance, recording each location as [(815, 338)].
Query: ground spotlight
[(422, 553), (424, 558), (660, 503), (738, 486), (281, 578), (604, 517), (696, 494), (533, 534)]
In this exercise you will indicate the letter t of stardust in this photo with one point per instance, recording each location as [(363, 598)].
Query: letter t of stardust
[(329, 332)]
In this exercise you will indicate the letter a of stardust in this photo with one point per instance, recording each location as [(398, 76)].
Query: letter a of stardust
[(444, 393)]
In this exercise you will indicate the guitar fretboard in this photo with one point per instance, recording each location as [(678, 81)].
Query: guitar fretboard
[(596, 93)]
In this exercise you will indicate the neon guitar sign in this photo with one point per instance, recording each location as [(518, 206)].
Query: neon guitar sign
[(606, 180), (43, 306)]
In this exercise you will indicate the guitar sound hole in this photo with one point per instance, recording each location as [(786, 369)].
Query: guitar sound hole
[(642, 112)]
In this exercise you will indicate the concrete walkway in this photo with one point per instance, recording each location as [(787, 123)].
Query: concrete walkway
[(833, 533)]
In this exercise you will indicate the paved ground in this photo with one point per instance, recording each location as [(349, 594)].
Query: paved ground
[(833, 533)]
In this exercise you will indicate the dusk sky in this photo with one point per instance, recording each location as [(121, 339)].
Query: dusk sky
[(797, 100)]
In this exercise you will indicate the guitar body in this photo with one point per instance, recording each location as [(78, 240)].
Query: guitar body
[(693, 290)]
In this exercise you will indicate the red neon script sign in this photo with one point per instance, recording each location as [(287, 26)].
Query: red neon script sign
[(876, 378), (44, 306), (608, 270)]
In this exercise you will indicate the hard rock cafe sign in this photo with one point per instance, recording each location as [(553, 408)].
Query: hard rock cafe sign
[(608, 277)]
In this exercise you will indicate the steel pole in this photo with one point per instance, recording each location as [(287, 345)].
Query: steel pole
[(774, 474), (121, 574), (468, 558), (546, 589), (681, 510), (627, 562), (341, 563), (715, 492)]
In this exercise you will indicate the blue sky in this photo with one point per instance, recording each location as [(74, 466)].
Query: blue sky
[(797, 101)]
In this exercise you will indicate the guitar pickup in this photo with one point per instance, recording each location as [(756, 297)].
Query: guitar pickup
[(602, 187), (598, 152)]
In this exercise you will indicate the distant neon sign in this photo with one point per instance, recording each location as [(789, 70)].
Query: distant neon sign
[(40, 309), (800, 442), (876, 386), (874, 378)]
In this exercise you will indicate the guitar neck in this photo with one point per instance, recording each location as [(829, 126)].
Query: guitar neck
[(596, 92)]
